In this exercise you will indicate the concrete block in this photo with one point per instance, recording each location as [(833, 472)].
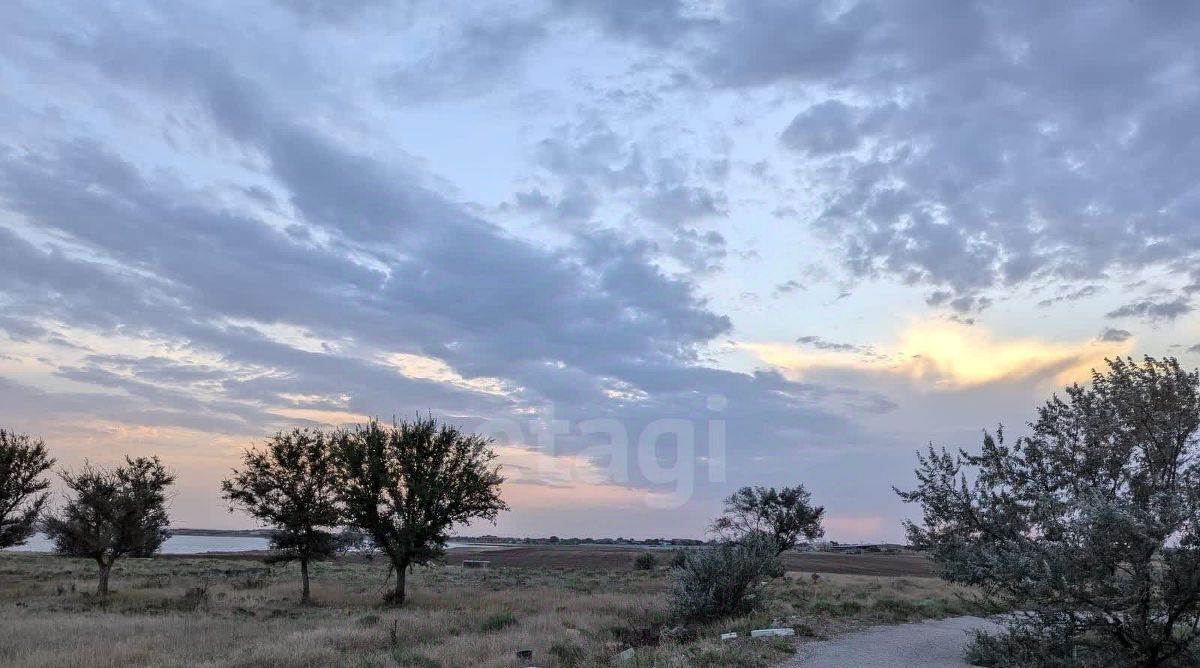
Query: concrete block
[(767, 633)]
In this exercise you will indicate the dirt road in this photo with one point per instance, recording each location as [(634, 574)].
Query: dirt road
[(931, 644)]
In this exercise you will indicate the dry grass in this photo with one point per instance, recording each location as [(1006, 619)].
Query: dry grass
[(211, 613), (836, 603)]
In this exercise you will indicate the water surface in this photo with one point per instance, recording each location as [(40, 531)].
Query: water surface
[(183, 544), (174, 545)]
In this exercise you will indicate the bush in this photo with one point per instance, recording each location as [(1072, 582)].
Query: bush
[(723, 581), (678, 559), (1009, 649), (497, 622), (645, 561), (567, 654), (1026, 643)]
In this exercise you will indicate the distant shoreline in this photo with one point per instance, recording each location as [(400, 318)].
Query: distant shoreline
[(225, 533)]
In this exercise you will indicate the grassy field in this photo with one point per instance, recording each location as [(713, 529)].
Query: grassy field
[(175, 612)]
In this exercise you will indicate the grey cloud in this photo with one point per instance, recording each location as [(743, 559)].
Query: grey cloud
[(769, 41), (1009, 141), (1153, 310), (962, 304), (972, 167), (333, 11), (1074, 295), (833, 127), (479, 58), (787, 288), (701, 251), (574, 207), (21, 329), (658, 22), (825, 128), (591, 162), (467, 274), (938, 297), (821, 344), (1112, 335), (954, 317), (678, 204)]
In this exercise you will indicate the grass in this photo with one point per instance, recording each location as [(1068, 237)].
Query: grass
[(836, 603), (497, 621), (210, 613)]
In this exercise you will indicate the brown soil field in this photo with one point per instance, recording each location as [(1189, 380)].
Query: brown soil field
[(907, 564), (614, 558), (599, 557)]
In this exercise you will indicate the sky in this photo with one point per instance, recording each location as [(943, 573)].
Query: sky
[(657, 250)]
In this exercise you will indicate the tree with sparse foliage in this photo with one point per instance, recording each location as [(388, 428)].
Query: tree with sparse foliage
[(23, 463), (785, 515), (291, 485), (407, 484), (112, 513), (1089, 526)]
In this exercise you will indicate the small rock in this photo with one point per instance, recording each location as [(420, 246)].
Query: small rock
[(729, 636), (767, 633), (627, 655)]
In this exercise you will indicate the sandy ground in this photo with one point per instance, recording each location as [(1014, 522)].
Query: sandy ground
[(932, 644)]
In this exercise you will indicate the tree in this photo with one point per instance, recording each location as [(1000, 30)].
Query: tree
[(114, 513), (23, 462), (291, 485), (1090, 525), (785, 516), (407, 484)]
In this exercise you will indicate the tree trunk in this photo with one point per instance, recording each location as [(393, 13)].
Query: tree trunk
[(102, 584), (397, 595), (305, 598)]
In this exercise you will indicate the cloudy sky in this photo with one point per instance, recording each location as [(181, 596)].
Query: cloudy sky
[(814, 235)]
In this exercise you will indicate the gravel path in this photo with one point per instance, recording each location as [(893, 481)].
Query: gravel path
[(931, 644)]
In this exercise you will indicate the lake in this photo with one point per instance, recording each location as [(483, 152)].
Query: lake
[(174, 545), (182, 544)]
